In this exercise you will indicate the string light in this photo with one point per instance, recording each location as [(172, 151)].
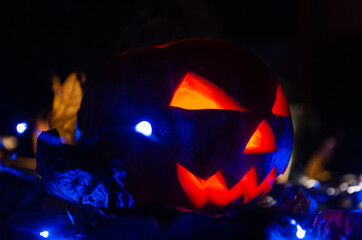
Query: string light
[(144, 128), (21, 127), (300, 232), (44, 234)]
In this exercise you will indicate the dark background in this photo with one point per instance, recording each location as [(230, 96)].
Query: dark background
[(314, 48)]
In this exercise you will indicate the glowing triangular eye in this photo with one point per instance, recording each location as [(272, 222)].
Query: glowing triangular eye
[(195, 93), (262, 141), (281, 106)]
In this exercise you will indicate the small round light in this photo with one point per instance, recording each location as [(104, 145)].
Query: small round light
[(350, 190), (144, 128), (44, 234), (312, 183), (21, 127), (343, 186), (331, 191), (293, 222)]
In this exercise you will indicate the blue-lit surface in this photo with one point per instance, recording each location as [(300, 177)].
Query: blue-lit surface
[(14, 156), (44, 234), (144, 128), (21, 127)]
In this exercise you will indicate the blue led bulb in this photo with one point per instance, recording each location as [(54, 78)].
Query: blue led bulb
[(21, 127), (144, 128), (44, 234)]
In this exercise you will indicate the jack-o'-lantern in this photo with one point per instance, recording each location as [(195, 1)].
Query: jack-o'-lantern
[(200, 124)]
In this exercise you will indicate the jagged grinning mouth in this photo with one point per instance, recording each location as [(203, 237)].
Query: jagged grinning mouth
[(214, 189)]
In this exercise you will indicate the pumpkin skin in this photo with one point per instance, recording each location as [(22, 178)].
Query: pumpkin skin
[(197, 158)]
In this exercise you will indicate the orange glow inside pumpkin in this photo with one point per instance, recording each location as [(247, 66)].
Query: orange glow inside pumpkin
[(195, 93), (262, 141), (214, 189), (281, 106)]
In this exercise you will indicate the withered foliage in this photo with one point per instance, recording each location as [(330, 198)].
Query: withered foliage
[(66, 102)]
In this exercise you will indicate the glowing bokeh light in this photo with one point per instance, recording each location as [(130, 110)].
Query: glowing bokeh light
[(350, 190), (9, 142), (21, 127), (331, 191), (144, 128), (343, 186), (44, 234), (312, 183)]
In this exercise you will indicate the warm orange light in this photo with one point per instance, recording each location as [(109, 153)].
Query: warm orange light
[(195, 93), (214, 189), (262, 141), (281, 106)]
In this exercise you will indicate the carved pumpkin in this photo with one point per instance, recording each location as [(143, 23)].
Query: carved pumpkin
[(220, 129)]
